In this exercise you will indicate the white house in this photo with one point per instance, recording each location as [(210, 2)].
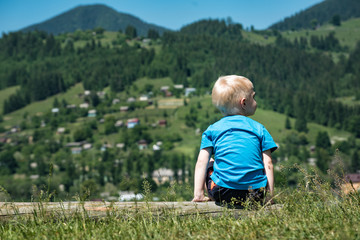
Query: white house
[(84, 105), (92, 113), (188, 91)]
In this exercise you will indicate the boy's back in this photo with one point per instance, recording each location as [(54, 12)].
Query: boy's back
[(238, 143)]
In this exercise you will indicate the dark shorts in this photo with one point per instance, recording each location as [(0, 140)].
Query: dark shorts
[(233, 196)]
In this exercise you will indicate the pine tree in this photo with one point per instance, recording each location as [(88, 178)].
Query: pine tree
[(287, 123), (355, 161)]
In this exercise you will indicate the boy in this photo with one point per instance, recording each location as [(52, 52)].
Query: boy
[(242, 148)]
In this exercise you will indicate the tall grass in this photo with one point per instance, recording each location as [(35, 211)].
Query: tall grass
[(316, 209)]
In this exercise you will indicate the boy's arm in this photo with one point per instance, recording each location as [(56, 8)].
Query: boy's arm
[(269, 170), (200, 171)]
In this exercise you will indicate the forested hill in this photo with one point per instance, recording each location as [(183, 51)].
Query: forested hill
[(319, 14), (93, 16)]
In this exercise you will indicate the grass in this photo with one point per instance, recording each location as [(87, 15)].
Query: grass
[(4, 94), (348, 33), (349, 100), (314, 210), (259, 39), (71, 96)]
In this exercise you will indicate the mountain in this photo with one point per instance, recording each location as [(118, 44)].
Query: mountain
[(90, 17), (319, 14)]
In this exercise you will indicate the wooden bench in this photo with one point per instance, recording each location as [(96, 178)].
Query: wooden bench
[(100, 209)]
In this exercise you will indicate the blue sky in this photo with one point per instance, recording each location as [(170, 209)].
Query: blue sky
[(173, 14)]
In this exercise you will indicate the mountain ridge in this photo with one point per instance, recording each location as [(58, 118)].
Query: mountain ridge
[(85, 17), (319, 14)]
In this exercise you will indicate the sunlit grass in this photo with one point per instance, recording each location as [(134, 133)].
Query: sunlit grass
[(4, 94), (314, 210), (39, 107), (348, 33)]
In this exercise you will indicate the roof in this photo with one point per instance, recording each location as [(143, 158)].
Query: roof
[(163, 172), (133, 120), (353, 177)]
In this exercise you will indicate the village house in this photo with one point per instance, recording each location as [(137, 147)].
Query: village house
[(115, 101), (119, 123), (84, 105), (75, 144), (60, 130), (101, 94), (55, 110), (162, 175), (76, 150), (120, 145), (105, 146), (143, 98), (92, 113), (71, 106), (124, 108), (188, 91), (87, 93), (179, 86), (146, 41), (352, 183), (156, 147), (129, 196), (131, 100), (131, 123), (87, 146), (33, 165), (142, 144), (15, 129), (162, 123), (166, 91), (34, 177), (164, 88)]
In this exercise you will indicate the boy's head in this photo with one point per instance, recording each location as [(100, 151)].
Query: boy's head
[(234, 95)]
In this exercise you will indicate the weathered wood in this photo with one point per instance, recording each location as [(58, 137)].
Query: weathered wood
[(102, 209)]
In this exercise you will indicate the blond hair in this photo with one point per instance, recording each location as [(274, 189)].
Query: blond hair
[(227, 92)]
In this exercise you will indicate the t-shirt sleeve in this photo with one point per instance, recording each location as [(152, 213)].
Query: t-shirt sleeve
[(267, 141), (206, 140)]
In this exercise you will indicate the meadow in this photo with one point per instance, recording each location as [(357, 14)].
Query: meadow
[(315, 209)]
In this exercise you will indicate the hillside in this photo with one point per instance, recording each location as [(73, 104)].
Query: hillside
[(320, 14), (107, 111), (90, 17)]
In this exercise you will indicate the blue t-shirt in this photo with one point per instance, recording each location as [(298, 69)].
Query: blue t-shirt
[(238, 143)]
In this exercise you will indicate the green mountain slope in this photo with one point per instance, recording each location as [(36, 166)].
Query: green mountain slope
[(90, 17), (322, 13)]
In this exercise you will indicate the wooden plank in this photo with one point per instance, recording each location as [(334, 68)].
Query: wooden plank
[(102, 209)]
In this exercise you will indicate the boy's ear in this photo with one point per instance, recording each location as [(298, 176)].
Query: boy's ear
[(243, 102)]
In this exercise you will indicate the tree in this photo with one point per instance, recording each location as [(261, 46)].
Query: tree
[(301, 124), (8, 164), (355, 161), (287, 123), (110, 125), (322, 159), (130, 31), (323, 140), (336, 20), (153, 34), (82, 134), (314, 23)]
